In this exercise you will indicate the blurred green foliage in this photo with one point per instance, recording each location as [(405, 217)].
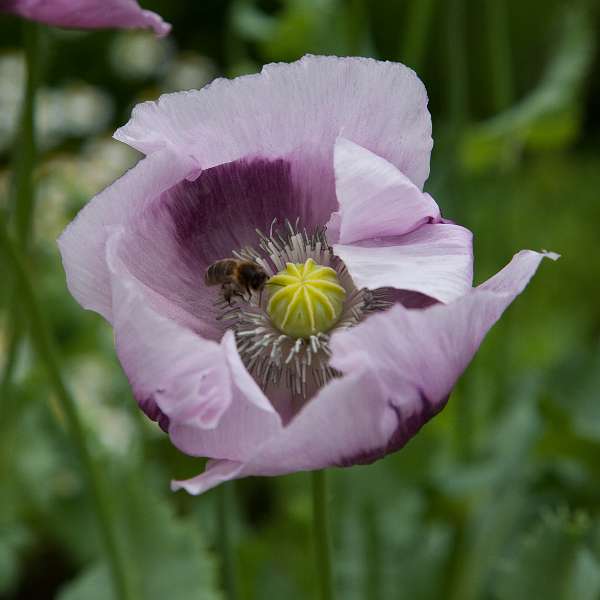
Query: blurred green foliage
[(499, 496)]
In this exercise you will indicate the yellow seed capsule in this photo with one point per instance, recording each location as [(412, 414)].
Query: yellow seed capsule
[(305, 299)]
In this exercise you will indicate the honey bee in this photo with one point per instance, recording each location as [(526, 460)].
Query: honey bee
[(236, 277)]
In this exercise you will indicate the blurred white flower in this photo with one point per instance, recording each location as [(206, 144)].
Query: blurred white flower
[(103, 159), (189, 71), (76, 110), (88, 110), (66, 180), (140, 54)]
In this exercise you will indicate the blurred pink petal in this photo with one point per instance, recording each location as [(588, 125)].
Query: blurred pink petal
[(88, 14)]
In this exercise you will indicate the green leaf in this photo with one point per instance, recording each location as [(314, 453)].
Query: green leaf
[(168, 554), (250, 22), (585, 581), (15, 538), (549, 117), (552, 562), (301, 26), (574, 388)]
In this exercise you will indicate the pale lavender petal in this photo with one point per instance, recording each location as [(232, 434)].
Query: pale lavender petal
[(169, 367), (88, 14), (340, 417), (197, 389), (390, 234), (399, 368), (241, 430), (245, 425), (242, 380), (435, 260), (296, 111), (516, 275), (216, 472), (429, 349), (375, 199), (169, 246), (82, 244)]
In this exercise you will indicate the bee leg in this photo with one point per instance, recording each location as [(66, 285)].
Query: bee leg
[(228, 292), (240, 295)]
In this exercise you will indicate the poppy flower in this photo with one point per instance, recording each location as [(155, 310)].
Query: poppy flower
[(311, 173), (88, 14)]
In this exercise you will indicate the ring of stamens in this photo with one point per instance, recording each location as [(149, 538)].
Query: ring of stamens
[(272, 356)]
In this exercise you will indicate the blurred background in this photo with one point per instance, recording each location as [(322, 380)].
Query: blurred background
[(499, 496)]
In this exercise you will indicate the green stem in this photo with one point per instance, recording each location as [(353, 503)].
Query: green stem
[(322, 535), (458, 93), (25, 150), (11, 356), (373, 558), (417, 33), (23, 187), (44, 346), (224, 512), (501, 81), (357, 27)]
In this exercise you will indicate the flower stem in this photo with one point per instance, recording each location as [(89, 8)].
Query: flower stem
[(10, 358), (44, 346), (373, 558), (417, 35), (457, 77), (224, 511), (25, 151), (322, 535), (501, 81), (23, 187)]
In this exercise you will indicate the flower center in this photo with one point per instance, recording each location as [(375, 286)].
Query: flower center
[(305, 299), (283, 335)]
